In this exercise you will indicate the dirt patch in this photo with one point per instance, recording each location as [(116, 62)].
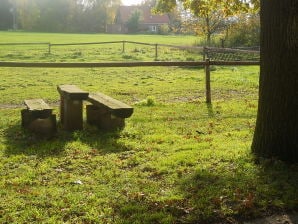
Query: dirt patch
[(14, 106), (10, 106)]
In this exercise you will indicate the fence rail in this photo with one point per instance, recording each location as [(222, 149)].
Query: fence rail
[(99, 64), (207, 63), (205, 50), (123, 42), (31, 43)]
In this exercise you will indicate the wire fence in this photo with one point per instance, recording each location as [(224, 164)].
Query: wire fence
[(124, 50)]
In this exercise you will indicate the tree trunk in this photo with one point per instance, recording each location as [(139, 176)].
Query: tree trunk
[(276, 133), (208, 32)]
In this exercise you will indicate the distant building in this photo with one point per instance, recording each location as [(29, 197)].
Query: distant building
[(148, 22)]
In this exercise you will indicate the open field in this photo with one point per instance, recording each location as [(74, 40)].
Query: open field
[(178, 160), (64, 38), (94, 53)]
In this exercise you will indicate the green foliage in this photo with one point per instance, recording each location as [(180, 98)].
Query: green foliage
[(207, 17), (164, 29), (6, 15), (246, 32), (64, 15), (134, 21)]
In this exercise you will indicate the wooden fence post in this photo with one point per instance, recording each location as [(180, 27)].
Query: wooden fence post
[(208, 87), (204, 53), (156, 53), (123, 46)]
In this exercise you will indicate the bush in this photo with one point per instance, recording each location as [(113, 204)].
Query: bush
[(245, 33), (164, 29)]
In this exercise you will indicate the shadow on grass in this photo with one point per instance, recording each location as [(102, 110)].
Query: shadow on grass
[(209, 196), (21, 141), (241, 195)]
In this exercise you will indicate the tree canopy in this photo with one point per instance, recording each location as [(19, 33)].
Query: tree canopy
[(211, 16), (58, 15), (204, 7)]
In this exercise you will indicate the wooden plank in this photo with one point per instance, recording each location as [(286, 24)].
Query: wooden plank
[(37, 105), (72, 92), (121, 64), (32, 43), (141, 43), (89, 43), (116, 107)]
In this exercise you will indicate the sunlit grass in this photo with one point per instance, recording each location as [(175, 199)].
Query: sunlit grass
[(178, 160), (102, 52)]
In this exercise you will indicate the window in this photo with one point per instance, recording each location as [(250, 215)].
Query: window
[(153, 28)]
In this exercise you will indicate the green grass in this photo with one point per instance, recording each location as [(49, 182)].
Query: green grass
[(103, 52), (178, 160), (8, 37)]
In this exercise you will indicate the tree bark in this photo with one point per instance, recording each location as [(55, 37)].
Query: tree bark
[(208, 32), (276, 133)]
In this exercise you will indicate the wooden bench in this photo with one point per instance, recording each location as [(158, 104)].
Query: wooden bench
[(107, 113), (38, 118), (71, 106)]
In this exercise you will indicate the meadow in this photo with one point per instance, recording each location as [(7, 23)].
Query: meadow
[(178, 160)]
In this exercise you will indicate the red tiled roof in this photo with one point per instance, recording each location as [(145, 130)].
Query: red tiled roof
[(146, 16)]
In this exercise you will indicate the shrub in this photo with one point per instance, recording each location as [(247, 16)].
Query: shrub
[(164, 29), (245, 33)]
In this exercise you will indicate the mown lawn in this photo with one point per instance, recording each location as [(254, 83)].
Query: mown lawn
[(178, 160), (94, 53)]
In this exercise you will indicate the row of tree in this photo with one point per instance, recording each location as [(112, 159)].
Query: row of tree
[(57, 15), (95, 15), (236, 21)]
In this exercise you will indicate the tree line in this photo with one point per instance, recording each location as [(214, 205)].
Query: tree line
[(57, 15), (93, 16)]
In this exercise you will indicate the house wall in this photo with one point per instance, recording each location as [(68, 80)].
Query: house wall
[(145, 28), (148, 23)]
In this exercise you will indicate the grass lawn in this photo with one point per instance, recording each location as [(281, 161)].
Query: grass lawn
[(95, 53), (177, 160)]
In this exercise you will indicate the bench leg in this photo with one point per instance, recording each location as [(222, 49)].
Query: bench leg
[(103, 118), (29, 116), (26, 118), (72, 114), (40, 123), (61, 109), (44, 127)]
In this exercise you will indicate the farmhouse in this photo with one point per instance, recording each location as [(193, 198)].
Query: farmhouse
[(148, 22)]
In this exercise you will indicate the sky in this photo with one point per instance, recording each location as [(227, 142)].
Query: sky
[(131, 2)]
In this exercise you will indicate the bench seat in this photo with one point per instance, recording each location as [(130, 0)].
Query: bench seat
[(106, 112), (38, 117), (72, 92), (116, 107)]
